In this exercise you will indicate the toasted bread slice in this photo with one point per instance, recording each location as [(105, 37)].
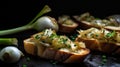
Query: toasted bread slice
[(87, 21), (77, 57), (66, 24), (112, 28), (60, 48), (49, 53), (95, 44), (30, 46), (62, 55), (104, 41)]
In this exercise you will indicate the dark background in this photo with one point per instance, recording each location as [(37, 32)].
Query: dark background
[(16, 13)]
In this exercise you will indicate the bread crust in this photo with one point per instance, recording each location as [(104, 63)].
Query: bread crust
[(29, 46), (54, 54), (96, 45), (85, 24)]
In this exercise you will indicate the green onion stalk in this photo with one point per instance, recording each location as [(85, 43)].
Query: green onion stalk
[(39, 23), (9, 41)]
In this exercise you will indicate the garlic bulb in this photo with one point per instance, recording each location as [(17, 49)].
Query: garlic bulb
[(10, 54)]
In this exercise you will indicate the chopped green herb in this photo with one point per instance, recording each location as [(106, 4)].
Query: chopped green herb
[(73, 37), (24, 65), (53, 62), (102, 63), (104, 59), (53, 36), (69, 46), (64, 40), (103, 56), (28, 59), (111, 34), (37, 37), (97, 35)]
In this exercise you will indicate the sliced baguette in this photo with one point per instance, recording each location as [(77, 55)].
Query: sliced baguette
[(86, 25), (95, 44), (62, 55), (112, 28), (77, 57), (66, 24), (30, 46), (85, 21)]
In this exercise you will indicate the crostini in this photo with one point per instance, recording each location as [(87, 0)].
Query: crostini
[(100, 40), (47, 44), (66, 24), (87, 21)]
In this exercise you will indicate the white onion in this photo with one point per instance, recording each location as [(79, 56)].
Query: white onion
[(45, 22), (10, 54)]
